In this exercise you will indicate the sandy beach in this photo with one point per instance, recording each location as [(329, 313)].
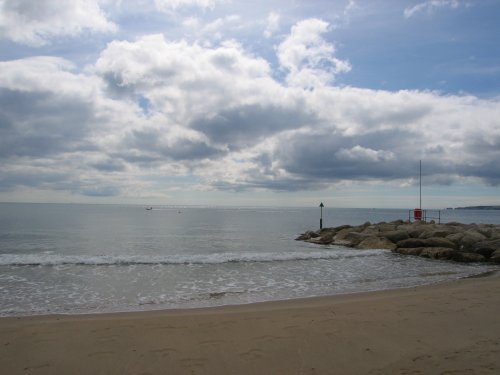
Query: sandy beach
[(451, 328)]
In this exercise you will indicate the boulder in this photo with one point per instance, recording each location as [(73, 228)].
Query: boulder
[(495, 257), (440, 233), (341, 234), (354, 237), (468, 257), (470, 238), (459, 242), (386, 227), (456, 237), (326, 238), (437, 253), (486, 248), (339, 228), (307, 236), (396, 235), (490, 231), (411, 242), (376, 242), (439, 242), (409, 250), (415, 229), (372, 230)]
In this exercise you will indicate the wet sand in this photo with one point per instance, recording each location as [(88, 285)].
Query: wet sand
[(450, 328)]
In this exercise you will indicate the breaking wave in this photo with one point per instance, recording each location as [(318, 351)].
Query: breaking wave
[(214, 258)]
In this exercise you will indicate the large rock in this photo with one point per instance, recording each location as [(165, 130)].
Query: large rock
[(324, 239), (341, 234), (396, 235), (376, 242), (386, 227), (470, 238), (355, 238), (460, 242), (372, 230), (486, 248), (495, 257), (468, 257), (489, 231), (411, 242), (307, 236), (439, 242), (440, 233), (437, 253), (415, 229), (456, 237), (409, 250)]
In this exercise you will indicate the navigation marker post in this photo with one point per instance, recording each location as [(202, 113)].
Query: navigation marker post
[(321, 205)]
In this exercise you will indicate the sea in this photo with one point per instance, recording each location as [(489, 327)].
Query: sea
[(81, 259)]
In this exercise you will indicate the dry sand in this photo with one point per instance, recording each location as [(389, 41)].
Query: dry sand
[(451, 328)]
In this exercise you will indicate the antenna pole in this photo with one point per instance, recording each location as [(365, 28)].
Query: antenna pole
[(420, 206)]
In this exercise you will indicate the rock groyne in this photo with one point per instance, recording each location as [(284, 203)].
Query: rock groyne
[(450, 241)]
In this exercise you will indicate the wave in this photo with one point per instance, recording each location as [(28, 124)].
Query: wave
[(214, 258)]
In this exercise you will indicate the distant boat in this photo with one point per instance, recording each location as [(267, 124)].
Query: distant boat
[(149, 208)]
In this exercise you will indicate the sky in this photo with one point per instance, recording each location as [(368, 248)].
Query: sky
[(250, 103)]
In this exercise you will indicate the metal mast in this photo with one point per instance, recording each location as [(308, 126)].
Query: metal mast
[(420, 206)]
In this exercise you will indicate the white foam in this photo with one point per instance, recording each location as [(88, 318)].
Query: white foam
[(45, 259)]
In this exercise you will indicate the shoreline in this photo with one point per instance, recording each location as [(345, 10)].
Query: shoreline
[(449, 326), (188, 309)]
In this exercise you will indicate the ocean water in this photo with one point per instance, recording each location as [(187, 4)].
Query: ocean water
[(65, 258)]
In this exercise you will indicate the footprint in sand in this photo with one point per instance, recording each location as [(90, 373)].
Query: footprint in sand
[(252, 354), (104, 353), (194, 362), (421, 357), (163, 351), (212, 342)]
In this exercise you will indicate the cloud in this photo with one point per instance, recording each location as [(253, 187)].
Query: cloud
[(216, 116), (368, 155), (272, 24), (309, 59), (40, 117), (214, 30), (247, 125), (430, 7), (170, 5), (185, 81), (35, 23)]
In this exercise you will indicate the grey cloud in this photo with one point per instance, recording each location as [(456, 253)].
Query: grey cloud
[(275, 184), (40, 123), (57, 181), (9, 180), (110, 165), (98, 191), (116, 86), (245, 126), (316, 156), (147, 146), (488, 171)]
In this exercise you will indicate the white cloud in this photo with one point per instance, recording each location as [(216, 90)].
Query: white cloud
[(364, 154), (272, 24), (154, 107), (169, 5), (35, 23), (214, 30), (310, 59), (185, 80), (430, 7)]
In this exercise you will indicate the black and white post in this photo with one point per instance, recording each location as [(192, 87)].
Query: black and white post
[(321, 205)]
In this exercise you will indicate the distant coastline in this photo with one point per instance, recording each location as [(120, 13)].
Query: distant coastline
[(478, 208)]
